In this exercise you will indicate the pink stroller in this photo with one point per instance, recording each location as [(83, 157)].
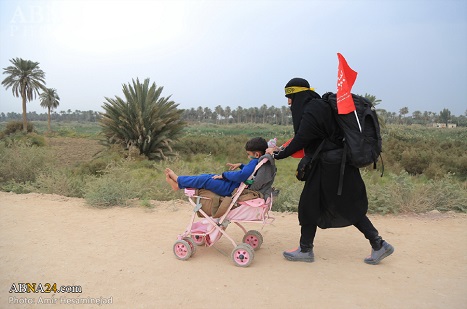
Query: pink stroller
[(207, 230)]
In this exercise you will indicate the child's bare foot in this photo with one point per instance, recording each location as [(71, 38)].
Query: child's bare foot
[(172, 183), (171, 174)]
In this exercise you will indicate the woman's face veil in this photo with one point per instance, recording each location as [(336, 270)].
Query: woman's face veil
[(295, 90)]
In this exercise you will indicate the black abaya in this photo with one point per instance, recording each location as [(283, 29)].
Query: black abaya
[(319, 203)]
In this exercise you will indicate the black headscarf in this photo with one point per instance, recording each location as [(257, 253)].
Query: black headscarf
[(299, 100)]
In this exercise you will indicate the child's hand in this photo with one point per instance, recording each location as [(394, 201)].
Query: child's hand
[(233, 166), (217, 177)]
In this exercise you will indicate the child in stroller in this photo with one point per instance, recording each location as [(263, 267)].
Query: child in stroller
[(219, 210), (227, 182)]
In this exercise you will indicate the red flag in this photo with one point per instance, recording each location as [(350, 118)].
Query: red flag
[(345, 79), (299, 154)]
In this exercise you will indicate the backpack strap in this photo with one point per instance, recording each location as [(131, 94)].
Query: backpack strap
[(342, 170), (315, 155), (382, 165)]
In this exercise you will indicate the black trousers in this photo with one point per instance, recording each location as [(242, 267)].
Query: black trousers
[(364, 225)]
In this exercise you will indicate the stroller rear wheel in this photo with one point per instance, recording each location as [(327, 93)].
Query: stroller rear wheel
[(199, 240), (182, 250), (192, 244), (243, 255), (254, 239)]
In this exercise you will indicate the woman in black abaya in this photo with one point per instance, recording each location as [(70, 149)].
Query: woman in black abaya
[(320, 205)]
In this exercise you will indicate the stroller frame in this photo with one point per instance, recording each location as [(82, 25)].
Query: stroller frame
[(207, 230)]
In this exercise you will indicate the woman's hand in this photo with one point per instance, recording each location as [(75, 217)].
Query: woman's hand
[(217, 177), (271, 150), (233, 166)]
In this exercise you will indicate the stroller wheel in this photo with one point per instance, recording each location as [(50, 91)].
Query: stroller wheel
[(243, 255), (254, 239), (191, 242), (199, 240), (182, 250)]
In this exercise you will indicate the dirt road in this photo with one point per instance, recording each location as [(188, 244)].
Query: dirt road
[(123, 256)]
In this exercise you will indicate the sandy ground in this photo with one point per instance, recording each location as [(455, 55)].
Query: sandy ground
[(124, 256)]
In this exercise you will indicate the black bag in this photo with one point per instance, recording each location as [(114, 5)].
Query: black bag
[(362, 136), (304, 168), (306, 164)]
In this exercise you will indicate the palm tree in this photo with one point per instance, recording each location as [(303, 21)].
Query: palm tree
[(375, 102), (25, 79), (372, 99), (240, 113), (263, 110), (50, 100), (227, 113), (402, 112), (445, 116), (143, 119), (220, 111)]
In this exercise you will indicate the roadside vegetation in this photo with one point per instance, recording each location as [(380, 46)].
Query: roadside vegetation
[(120, 155), (424, 168)]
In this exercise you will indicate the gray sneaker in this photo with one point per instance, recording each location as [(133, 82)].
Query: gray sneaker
[(377, 256), (298, 255)]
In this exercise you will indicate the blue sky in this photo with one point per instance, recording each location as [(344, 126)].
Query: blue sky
[(240, 53)]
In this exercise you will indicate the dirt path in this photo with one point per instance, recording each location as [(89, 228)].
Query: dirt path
[(125, 255)]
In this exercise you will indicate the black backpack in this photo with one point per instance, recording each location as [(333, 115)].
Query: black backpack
[(362, 144)]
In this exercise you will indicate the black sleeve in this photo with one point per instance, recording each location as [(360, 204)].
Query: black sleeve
[(312, 127)]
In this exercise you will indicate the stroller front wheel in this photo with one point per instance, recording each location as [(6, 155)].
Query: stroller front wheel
[(182, 250), (243, 255)]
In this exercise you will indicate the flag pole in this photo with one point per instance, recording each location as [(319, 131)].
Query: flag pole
[(358, 121)]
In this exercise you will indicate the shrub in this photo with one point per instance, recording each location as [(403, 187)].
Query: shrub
[(97, 166), (415, 161), (403, 193), (21, 163), (288, 197), (19, 138), (121, 182), (387, 196), (18, 188), (144, 120), (445, 195), (61, 182), (17, 126), (105, 191)]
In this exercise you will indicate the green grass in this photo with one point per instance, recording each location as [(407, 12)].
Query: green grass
[(437, 158), (65, 129), (249, 130)]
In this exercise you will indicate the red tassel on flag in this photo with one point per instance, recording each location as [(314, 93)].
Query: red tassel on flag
[(345, 79)]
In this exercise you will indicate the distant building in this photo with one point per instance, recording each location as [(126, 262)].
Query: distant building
[(443, 125)]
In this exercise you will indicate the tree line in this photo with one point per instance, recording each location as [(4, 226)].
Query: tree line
[(77, 115), (264, 114), (283, 116)]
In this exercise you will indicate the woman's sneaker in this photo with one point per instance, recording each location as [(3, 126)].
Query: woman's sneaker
[(298, 255), (378, 255)]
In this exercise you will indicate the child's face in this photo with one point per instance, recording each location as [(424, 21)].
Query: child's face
[(253, 154)]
